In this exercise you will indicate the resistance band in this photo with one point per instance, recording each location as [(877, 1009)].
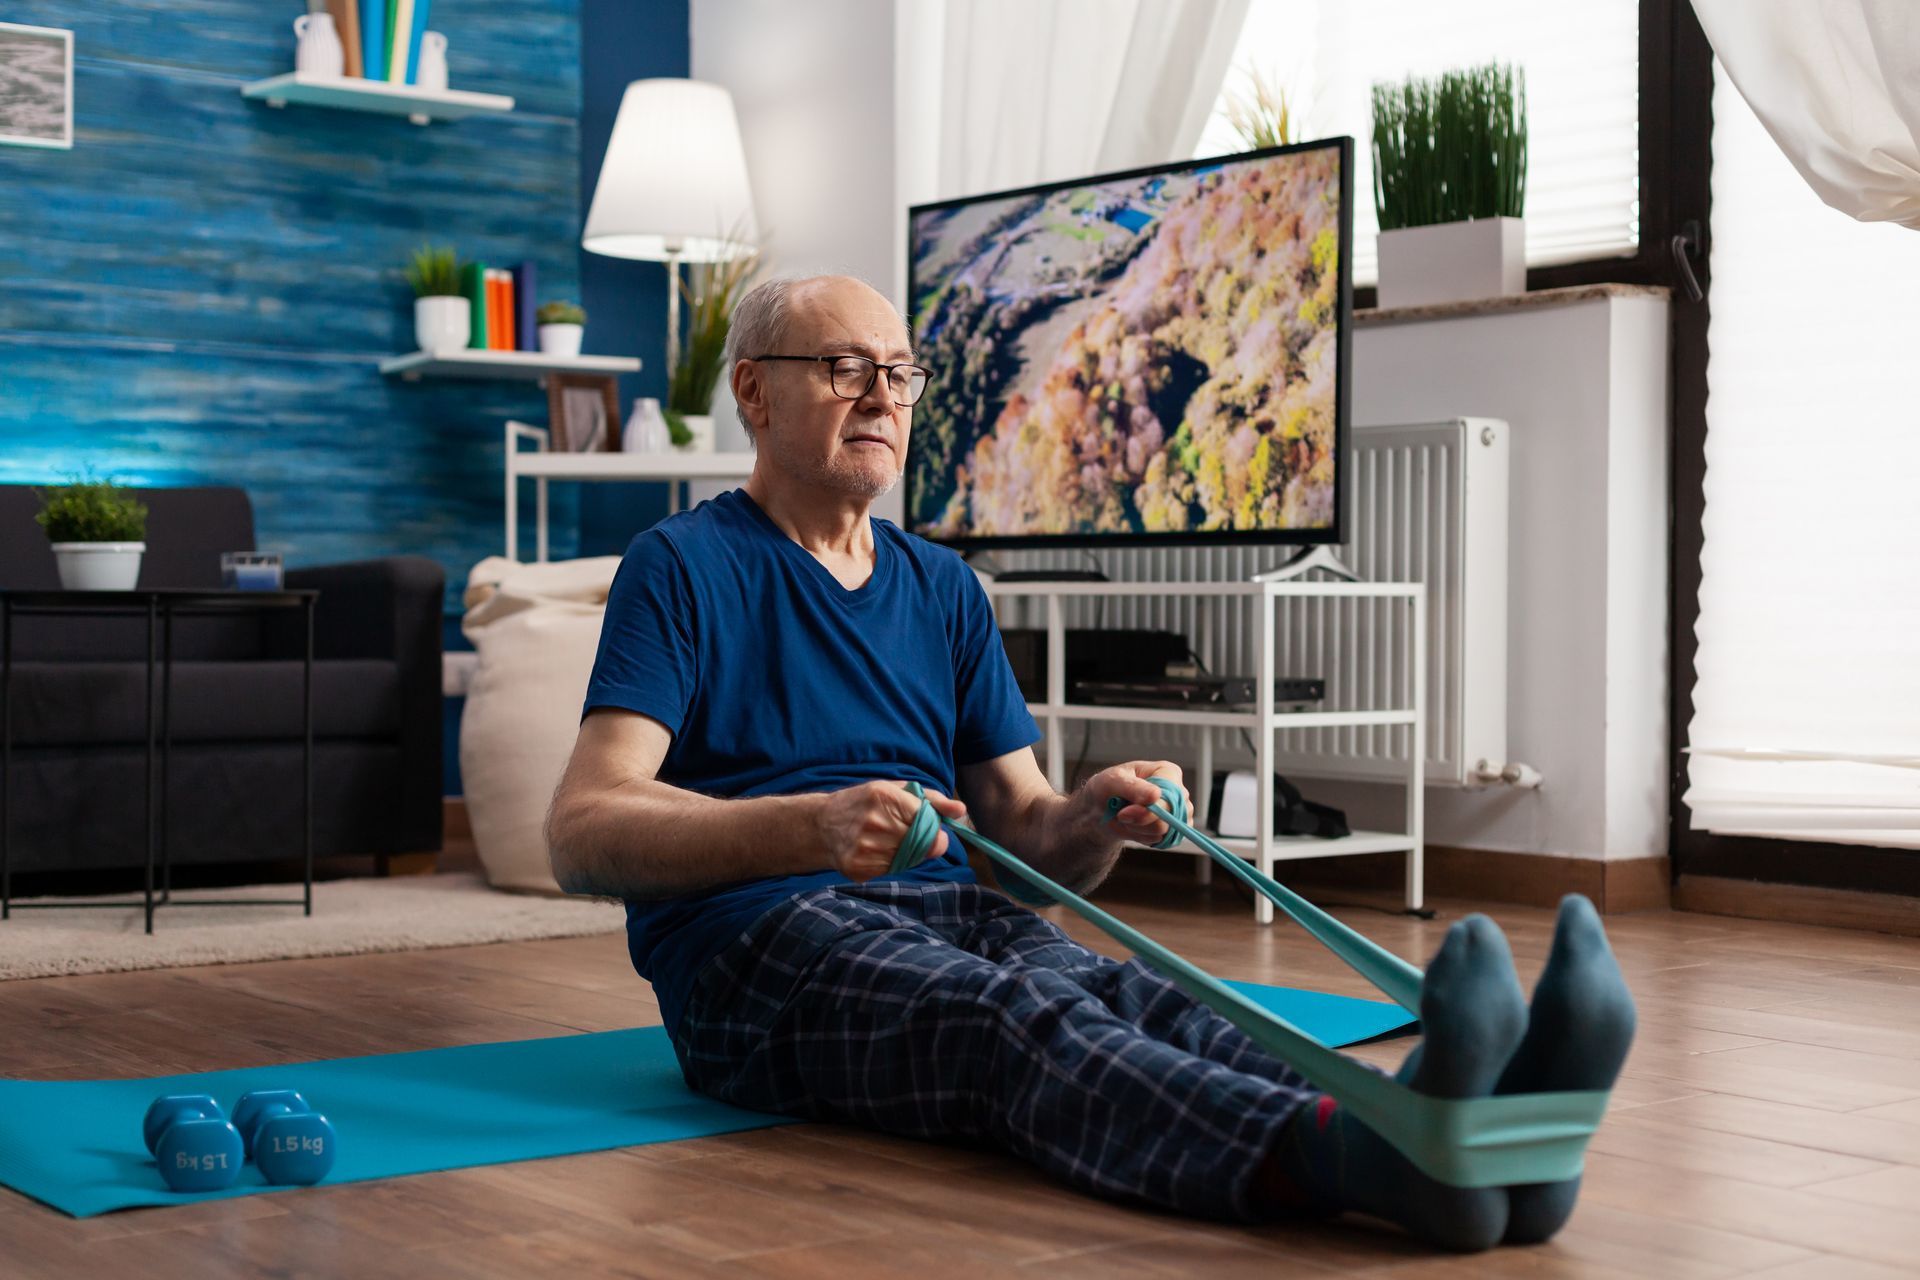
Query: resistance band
[(1464, 1142)]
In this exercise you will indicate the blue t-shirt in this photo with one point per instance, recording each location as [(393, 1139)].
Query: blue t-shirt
[(774, 679)]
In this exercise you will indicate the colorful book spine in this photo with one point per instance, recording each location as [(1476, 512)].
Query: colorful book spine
[(346, 21), (400, 22), (473, 283), (499, 307), (525, 283), (396, 66), (509, 314), (373, 38), (418, 29)]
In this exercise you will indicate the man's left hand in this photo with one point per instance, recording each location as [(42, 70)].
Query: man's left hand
[(1129, 782)]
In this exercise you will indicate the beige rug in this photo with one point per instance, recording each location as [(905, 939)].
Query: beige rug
[(350, 917)]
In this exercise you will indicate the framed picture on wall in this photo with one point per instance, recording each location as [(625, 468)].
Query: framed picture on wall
[(36, 86), (583, 413)]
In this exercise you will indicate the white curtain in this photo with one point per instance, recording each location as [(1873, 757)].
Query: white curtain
[(994, 94), (1837, 85), (1807, 709)]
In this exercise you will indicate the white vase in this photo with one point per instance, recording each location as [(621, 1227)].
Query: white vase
[(442, 323), (560, 339), (646, 430), (1453, 262), (317, 50), (98, 566), (701, 425), (432, 71)]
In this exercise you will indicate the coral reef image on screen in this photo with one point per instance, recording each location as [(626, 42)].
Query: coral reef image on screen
[(1140, 356)]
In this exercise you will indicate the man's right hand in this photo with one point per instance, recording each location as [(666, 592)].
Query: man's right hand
[(861, 828)]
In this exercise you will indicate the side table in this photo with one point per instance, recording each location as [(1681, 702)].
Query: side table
[(160, 606)]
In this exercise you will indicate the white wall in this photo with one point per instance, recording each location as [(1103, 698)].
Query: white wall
[(1584, 387), (809, 81)]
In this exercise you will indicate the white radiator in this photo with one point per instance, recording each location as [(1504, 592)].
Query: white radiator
[(1428, 504)]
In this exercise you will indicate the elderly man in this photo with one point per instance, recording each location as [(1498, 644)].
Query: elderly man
[(774, 665)]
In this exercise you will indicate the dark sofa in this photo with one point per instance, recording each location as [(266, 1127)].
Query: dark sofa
[(234, 787)]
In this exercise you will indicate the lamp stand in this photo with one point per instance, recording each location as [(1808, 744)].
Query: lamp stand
[(673, 321)]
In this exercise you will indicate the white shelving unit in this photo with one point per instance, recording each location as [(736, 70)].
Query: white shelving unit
[(475, 363), (541, 465), (350, 93), (1262, 721)]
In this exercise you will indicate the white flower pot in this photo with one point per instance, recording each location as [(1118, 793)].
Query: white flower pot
[(560, 339), (1453, 262), (98, 566), (701, 425), (442, 324)]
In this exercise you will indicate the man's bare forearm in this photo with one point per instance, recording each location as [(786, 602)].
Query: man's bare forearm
[(646, 839), (1053, 834)]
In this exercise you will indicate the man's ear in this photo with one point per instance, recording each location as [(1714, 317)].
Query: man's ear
[(750, 394)]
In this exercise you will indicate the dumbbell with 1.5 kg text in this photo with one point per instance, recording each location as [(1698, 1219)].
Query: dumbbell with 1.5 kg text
[(193, 1143), (286, 1138)]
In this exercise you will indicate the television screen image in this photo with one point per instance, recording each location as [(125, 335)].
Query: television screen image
[(1155, 356)]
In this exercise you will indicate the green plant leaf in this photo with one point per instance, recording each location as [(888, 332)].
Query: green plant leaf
[(91, 510), (434, 272), (1450, 148), (710, 299)]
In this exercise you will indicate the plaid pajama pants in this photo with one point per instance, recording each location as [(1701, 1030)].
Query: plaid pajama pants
[(947, 1011)]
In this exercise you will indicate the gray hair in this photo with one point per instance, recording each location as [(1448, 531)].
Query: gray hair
[(759, 326)]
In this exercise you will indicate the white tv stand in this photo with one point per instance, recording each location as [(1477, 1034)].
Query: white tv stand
[(1262, 722)]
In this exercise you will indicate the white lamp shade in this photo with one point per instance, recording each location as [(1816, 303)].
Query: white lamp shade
[(673, 183)]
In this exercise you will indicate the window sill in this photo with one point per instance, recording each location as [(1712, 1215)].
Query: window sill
[(1514, 302)]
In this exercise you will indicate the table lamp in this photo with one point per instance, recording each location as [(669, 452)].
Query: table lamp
[(673, 185)]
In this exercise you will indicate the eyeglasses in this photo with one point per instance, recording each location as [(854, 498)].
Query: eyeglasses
[(853, 376)]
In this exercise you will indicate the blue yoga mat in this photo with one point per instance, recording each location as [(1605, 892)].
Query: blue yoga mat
[(76, 1144)]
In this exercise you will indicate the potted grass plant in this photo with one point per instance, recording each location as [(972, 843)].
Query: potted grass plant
[(697, 370), (98, 531), (442, 315), (561, 326), (1450, 186)]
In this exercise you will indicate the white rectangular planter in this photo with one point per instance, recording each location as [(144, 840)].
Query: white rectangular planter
[(1453, 262)]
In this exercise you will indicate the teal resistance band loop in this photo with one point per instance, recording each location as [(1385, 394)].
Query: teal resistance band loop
[(1394, 977), (1473, 1142), (920, 835)]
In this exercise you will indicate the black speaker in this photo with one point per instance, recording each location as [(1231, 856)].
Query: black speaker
[(1092, 655)]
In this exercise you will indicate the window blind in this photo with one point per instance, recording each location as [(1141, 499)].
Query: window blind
[(1807, 708), (1582, 69)]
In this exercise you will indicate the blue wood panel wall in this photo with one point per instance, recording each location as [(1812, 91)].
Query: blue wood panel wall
[(200, 290)]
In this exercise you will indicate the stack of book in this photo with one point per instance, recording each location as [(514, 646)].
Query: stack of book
[(381, 38), (503, 307)]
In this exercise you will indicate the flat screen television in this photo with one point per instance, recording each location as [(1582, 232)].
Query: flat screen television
[(1156, 356)]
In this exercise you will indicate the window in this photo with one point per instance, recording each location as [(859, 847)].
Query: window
[(1809, 629), (1583, 91)]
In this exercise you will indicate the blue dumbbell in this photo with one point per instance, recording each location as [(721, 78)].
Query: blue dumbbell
[(286, 1138), (192, 1142)]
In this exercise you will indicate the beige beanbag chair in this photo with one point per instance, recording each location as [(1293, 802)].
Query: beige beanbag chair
[(535, 628)]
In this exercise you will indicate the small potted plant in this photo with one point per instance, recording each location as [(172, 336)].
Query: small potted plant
[(1450, 185), (561, 324), (442, 315), (98, 531), (698, 368)]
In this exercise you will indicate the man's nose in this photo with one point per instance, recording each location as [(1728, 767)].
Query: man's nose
[(879, 397)]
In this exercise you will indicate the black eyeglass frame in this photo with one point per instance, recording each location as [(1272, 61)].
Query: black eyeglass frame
[(873, 371)]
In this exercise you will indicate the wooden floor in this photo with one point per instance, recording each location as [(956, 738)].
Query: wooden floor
[(1768, 1124)]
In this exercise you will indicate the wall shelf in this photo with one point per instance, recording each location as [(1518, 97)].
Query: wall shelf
[(541, 465), (475, 363), (350, 93)]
